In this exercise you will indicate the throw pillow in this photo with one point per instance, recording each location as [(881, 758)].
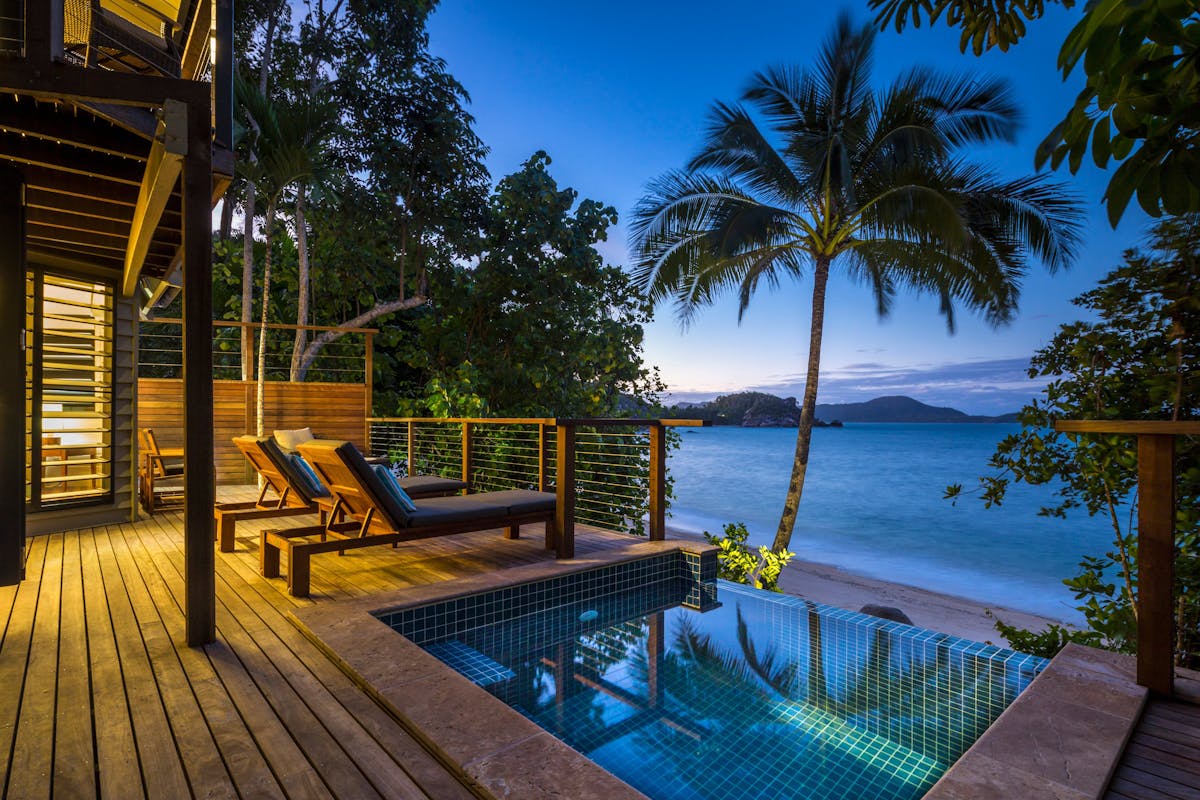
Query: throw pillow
[(290, 440)]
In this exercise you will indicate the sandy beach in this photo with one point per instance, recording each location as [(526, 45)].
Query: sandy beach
[(958, 616)]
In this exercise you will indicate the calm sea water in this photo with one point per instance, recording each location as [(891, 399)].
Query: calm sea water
[(873, 505)]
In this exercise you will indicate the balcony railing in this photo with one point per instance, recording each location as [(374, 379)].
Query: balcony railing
[(610, 473)]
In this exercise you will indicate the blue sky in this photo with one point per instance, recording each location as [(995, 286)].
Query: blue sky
[(617, 93)]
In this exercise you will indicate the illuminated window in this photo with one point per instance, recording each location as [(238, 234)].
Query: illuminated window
[(68, 394)]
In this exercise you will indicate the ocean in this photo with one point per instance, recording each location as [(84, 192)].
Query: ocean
[(873, 505)]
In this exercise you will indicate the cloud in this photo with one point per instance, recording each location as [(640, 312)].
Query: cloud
[(994, 386)]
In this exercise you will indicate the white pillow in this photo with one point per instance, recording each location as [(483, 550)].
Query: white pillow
[(289, 440)]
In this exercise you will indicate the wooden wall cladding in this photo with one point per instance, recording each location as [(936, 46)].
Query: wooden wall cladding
[(332, 410)]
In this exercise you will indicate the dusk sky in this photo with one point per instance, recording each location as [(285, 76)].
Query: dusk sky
[(618, 92)]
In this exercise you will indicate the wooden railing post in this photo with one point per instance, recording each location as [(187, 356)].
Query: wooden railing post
[(658, 483), (1156, 562), (564, 487), (466, 455), (369, 384), (542, 457), (410, 468), (1155, 539)]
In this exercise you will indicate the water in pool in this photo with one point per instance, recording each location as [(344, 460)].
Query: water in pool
[(765, 696)]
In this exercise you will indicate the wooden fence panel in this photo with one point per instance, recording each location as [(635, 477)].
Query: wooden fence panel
[(332, 410)]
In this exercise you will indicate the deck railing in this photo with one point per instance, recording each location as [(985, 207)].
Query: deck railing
[(610, 473)]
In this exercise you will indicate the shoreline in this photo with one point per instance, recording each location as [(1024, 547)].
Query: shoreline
[(937, 611)]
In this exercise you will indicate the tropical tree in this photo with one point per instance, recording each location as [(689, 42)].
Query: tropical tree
[(872, 181), (289, 142), (1133, 357)]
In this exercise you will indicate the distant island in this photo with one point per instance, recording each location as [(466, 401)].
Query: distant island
[(761, 410)]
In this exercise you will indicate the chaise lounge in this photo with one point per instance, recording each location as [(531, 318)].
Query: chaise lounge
[(379, 514), (297, 490)]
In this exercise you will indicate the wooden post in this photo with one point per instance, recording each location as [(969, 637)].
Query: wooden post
[(12, 363), (658, 483), (411, 467), (541, 457), (222, 78), (1156, 562), (564, 487), (466, 455), (369, 383), (199, 481)]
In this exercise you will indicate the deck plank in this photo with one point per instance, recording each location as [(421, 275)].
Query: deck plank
[(14, 653), (162, 771), (243, 719), (1162, 759), (33, 750), (116, 750), (74, 767), (158, 616), (281, 684)]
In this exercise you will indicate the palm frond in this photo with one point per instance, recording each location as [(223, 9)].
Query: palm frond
[(735, 147)]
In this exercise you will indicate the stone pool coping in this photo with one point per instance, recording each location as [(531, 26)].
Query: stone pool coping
[(494, 749), (1061, 738)]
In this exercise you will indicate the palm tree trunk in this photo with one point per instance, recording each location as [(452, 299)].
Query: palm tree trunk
[(301, 303), (260, 387), (808, 409), (248, 284)]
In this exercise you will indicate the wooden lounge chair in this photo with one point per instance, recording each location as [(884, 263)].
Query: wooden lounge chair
[(296, 492), (377, 517), (161, 466)]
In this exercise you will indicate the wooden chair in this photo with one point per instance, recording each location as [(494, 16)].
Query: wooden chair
[(376, 517), (160, 466)]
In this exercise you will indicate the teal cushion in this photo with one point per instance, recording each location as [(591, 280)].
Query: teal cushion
[(305, 474), (394, 488)]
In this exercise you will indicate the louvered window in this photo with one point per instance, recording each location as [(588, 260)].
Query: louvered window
[(69, 391)]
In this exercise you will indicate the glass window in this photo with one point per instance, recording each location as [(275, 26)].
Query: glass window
[(69, 390)]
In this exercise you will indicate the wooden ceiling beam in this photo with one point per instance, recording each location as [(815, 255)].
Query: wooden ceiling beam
[(95, 240), (61, 123), (158, 183), (51, 218), (65, 81), (60, 202), (38, 153), (80, 186), (64, 256), (137, 121)]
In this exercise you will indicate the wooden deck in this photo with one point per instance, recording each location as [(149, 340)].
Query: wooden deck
[(101, 697), (1162, 759)]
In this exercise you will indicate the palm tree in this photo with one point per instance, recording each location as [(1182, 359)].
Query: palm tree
[(869, 180), (289, 144)]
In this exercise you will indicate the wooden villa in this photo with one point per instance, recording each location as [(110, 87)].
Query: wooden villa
[(115, 134)]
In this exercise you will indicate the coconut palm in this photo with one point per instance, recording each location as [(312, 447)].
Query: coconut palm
[(289, 141), (871, 181)]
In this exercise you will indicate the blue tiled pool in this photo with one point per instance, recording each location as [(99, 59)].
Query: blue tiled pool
[(759, 696)]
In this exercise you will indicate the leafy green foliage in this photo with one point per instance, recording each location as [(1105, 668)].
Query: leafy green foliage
[(1134, 360), (984, 23), (548, 328), (1139, 104), (1046, 643), (738, 562)]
